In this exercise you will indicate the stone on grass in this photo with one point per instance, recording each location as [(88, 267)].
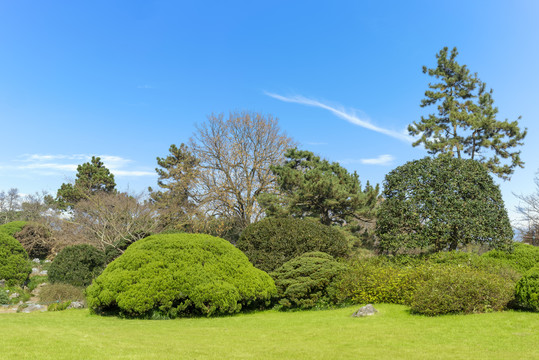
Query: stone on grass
[(366, 310), (34, 307), (76, 305)]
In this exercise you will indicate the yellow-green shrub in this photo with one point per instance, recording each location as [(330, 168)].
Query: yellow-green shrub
[(527, 290)]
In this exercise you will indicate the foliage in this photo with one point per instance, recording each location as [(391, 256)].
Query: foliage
[(180, 275), (442, 203), (527, 289), (14, 264), (92, 177), (271, 242), (59, 293), (77, 265), (35, 280), (528, 208), (58, 306), (466, 121), (312, 187), (13, 227), (458, 289), (522, 257), (36, 239), (4, 297), (304, 281)]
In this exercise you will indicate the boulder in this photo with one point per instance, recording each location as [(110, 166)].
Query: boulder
[(34, 307), (76, 305), (366, 310)]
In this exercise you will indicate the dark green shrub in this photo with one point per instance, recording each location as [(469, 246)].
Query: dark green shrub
[(377, 281), (527, 290), (273, 241), (460, 289), (179, 275), (304, 281), (4, 297), (36, 239), (14, 264), (58, 293), (441, 204), (13, 227), (522, 257), (77, 265)]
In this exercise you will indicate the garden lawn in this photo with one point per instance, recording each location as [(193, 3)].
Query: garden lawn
[(330, 334)]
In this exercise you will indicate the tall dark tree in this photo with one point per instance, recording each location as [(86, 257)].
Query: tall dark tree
[(92, 177), (314, 187), (465, 124)]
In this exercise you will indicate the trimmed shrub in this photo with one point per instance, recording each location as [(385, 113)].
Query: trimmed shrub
[(441, 204), (60, 293), (170, 275), (14, 264), (36, 239), (522, 258), (304, 281), (459, 289), (77, 265), (527, 290), (11, 228), (271, 242)]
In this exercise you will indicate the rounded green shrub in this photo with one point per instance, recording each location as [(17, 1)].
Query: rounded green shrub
[(14, 264), (304, 281), (522, 257), (271, 242), (527, 290), (174, 275), (77, 265), (11, 228), (460, 289)]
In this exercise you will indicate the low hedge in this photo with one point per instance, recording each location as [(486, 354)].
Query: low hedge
[(527, 290), (171, 275), (522, 258), (304, 282), (271, 242)]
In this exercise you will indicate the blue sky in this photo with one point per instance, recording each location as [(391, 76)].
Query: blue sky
[(126, 79)]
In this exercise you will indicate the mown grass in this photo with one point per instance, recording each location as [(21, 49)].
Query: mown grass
[(331, 334)]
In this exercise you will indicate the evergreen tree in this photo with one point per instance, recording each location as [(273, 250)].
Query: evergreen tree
[(466, 124)]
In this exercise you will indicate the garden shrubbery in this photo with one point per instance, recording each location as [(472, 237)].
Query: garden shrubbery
[(304, 281), (460, 289), (527, 290), (14, 264), (13, 227), (36, 239), (522, 258), (271, 242), (77, 265), (180, 275)]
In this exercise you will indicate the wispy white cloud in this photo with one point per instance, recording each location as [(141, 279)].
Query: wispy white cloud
[(145, 87), (385, 159), (347, 115)]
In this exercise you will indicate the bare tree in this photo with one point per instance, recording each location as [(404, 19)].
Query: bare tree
[(9, 205), (528, 208), (234, 156)]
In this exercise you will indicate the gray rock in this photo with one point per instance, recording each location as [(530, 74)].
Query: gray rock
[(43, 272), (36, 260), (2, 282), (366, 310), (76, 305), (47, 261), (35, 271), (13, 295), (34, 307)]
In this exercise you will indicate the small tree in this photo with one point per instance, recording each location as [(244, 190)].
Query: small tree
[(466, 123), (529, 210), (441, 204), (92, 177)]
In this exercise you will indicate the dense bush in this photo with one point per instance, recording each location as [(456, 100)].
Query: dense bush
[(271, 242), (460, 289), (77, 265), (60, 293), (441, 204), (36, 239), (14, 264), (4, 297), (180, 275), (527, 289), (522, 257), (304, 281), (13, 227), (378, 281)]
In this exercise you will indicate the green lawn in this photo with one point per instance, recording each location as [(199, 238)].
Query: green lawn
[(332, 334)]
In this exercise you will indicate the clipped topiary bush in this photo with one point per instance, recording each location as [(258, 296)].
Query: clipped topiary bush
[(522, 258), (527, 290), (11, 228), (14, 264), (460, 289), (304, 281), (36, 239), (271, 242), (174, 275), (77, 265)]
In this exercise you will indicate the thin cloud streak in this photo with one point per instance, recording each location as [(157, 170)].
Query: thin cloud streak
[(343, 114), (385, 159)]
